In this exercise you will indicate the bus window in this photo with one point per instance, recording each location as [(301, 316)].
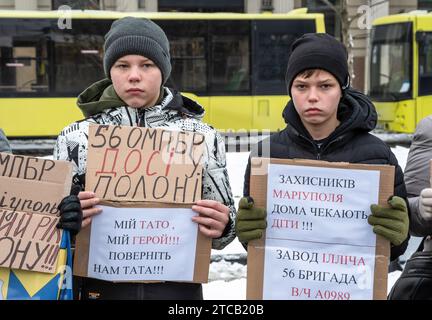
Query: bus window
[(229, 57), (23, 57), (390, 74), (77, 55), (425, 65), (272, 40), (188, 46)]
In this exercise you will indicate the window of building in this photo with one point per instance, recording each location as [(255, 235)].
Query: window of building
[(424, 4), (267, 5), (142, 4)]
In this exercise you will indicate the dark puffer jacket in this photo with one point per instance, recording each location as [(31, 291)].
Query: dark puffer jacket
[(349, 142)]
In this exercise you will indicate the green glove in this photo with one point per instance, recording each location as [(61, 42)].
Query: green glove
[(391, 223), (250, 221)]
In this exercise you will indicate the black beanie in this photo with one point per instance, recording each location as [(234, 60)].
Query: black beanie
[(137, 36), (318, 51)]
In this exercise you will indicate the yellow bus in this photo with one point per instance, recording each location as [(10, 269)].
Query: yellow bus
[(233, 64), (400, 70)]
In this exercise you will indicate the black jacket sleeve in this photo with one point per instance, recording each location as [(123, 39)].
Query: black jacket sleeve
[(246, 187)]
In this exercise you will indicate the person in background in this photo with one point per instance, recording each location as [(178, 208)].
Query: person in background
[(417, 179), (415, 282)]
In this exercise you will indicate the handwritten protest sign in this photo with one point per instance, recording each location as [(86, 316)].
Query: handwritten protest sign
[(147, 179), (318, 244), (31, 189), (144, 164)]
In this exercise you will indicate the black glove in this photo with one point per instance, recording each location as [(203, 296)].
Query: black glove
[(71, 215)]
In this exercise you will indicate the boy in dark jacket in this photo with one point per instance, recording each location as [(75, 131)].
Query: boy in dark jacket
[(327, 120)]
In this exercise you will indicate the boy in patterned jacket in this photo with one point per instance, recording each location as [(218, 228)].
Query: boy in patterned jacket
[(137, 65)]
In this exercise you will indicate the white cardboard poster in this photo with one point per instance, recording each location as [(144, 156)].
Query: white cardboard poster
[(134, 244), (318, 242)]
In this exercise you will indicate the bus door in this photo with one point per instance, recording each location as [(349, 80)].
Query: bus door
[(424, 43), (229, 75)]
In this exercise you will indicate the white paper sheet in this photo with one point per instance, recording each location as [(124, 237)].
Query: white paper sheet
[(318, 242), (143, 244)]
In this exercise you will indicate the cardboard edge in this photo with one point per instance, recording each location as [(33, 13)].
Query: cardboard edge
[(256, 248), (202, 258), (82, 248), (255, 265), (382, 253)]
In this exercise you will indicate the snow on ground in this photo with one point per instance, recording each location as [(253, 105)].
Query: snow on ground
[(401, 154), (236, 166), (227, 281), (225, 290)]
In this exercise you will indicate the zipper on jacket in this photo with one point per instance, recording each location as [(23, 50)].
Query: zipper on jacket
[(333, 141), (314, 145), (318, 147), (141, 113)]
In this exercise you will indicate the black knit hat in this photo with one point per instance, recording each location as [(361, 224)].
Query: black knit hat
[(137, 36), (318, 51)]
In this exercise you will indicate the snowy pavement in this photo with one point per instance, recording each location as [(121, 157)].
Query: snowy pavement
[(227, 281)]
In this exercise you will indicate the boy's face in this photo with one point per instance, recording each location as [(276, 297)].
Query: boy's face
[(136, 80), (316, 99)]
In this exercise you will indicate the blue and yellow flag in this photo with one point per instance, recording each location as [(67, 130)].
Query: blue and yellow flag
[(29, 285)]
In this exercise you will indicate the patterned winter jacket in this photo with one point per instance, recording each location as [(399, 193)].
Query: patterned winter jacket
[(174, 111)]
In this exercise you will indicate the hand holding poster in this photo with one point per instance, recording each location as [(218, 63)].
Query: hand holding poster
[(147, 179), (318, 244)]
